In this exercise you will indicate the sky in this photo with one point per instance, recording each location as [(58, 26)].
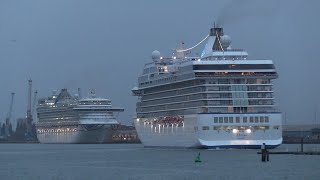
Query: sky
[(103, 45)]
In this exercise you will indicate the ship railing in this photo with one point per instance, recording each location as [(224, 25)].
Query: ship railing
[(58, 124), (236, 75), (230, 50)]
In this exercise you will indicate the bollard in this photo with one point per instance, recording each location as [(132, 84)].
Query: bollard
[(263, 155)]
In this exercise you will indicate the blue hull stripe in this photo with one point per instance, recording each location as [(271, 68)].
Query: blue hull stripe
[(241, 147), (243, 113)]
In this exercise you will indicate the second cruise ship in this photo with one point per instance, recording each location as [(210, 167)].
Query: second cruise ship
[(221, 99), (66, 119)]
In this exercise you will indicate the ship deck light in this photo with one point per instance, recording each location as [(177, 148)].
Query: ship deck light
[(235, 131)]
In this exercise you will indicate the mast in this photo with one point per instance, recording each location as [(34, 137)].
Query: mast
[(79, 93), (29, 112), (315, 114), (10, 108), (34, 103)]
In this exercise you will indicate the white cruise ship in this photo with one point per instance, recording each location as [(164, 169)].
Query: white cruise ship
[(66, 119), (98, 113), (221, 99)]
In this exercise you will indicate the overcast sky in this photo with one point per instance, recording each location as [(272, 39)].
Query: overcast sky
[(104, 44)]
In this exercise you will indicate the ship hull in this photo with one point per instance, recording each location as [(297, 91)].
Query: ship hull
[(193, 133), (168, 137), (76, 134)]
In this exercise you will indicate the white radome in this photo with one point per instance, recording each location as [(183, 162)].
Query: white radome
[(225, 41), (155, 55)]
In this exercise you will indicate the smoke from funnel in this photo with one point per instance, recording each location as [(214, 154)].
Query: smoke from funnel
[(236, 10)]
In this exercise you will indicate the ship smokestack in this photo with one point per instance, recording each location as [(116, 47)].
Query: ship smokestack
[(218, 33), (217, 41)]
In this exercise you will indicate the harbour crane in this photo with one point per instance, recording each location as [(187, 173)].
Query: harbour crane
[(10, 109), (29, 112), (34, 102), (30, 134), (7, 125)]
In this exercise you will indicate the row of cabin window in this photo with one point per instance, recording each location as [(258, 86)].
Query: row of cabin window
[(252, 119), (205, 128), (158, 80), (239, 81)]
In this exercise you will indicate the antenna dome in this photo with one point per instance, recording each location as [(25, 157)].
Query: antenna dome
[(225, 41), (155, 55)]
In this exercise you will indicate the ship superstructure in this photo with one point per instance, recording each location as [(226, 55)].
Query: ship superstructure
[(221, 99)]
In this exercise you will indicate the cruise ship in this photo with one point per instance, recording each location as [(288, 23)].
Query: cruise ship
[(98, 113), (221, 99), (66, 119)]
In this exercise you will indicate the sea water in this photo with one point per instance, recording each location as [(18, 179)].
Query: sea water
[(134, 162)]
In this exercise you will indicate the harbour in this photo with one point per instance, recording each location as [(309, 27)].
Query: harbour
[(65, 119), (161, 90)]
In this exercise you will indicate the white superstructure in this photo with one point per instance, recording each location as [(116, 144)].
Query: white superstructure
[(221, 99)]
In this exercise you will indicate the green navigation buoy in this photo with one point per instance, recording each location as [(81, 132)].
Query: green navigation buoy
[(198, 160)]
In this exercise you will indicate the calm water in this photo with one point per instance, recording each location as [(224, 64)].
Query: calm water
[(132, 161)]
